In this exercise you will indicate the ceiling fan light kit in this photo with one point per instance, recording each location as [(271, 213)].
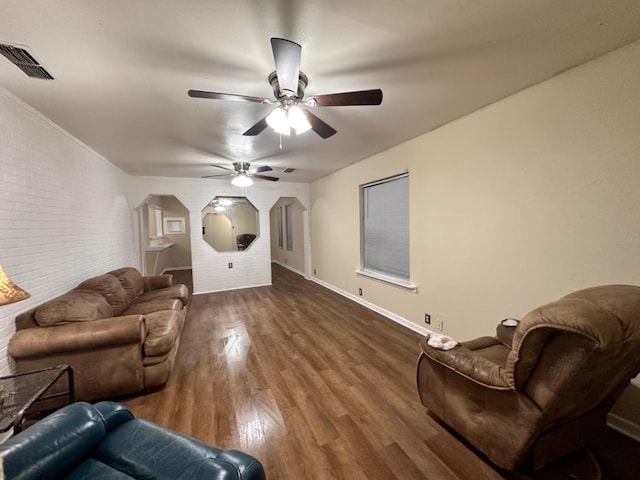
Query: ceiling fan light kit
[(241, 179), (243, 174), (284, 119)]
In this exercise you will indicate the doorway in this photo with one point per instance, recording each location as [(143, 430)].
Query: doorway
[(165, 235), (286, 220)]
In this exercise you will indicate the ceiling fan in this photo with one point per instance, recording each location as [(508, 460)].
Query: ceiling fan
[(289, 84), (242, 174)]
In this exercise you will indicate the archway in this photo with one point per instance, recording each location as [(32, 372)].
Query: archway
[(165, 235), (286, 220)]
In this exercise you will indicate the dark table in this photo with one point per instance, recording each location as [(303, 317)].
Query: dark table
[(19, 392)]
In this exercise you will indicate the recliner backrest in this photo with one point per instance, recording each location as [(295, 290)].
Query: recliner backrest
[(573, 354)]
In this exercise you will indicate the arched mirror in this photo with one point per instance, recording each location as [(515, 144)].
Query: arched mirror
[(230, 224)]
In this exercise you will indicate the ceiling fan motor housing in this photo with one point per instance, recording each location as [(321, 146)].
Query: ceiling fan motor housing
[(303, 81), (241, 167)]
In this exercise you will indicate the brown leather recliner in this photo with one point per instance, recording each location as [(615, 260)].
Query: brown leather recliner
[(543, 388)]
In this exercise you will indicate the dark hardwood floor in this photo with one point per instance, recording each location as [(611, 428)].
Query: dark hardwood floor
[(316, 387)]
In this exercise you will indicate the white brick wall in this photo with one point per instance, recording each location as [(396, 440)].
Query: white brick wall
[(64, 214)]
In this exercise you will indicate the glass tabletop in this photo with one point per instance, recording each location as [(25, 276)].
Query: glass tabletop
[(18, 392)]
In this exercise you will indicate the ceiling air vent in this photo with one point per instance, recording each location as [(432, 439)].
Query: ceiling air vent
[(288, 170), (24, 61)]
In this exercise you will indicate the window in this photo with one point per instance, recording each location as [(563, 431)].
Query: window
[(384, 230), (288, 213), (280, 239), (174, 225)]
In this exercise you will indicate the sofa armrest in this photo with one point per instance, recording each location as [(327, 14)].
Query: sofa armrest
[(158, 281), (78, 336), (141, 442), (55, 445), (465, 362)]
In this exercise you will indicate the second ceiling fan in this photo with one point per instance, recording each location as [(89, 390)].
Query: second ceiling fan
[(289, 84), (243, 172)]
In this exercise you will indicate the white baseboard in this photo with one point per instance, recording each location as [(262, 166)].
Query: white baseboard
[(174, 269), (234, 288), (624, 426), (390, 315), (289, 267)]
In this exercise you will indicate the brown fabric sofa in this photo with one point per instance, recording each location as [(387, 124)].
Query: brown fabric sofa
[(120, 333), (543, 388)]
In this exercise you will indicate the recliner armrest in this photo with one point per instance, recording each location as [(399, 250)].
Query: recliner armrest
[(56, 444), (467, 363)]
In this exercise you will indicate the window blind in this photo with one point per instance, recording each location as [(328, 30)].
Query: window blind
[(385, 227)]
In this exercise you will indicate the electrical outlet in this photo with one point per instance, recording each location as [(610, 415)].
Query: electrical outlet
[(439, 324), (427, 319), (314, 271), (360, 291), (230, 264)]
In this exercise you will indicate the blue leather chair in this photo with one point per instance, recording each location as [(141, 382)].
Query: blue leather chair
[(104, 441)]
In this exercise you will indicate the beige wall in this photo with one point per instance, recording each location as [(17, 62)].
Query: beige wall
[(512, 206), (292, 256)]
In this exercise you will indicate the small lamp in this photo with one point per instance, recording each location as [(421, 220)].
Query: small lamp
[(9, 291)]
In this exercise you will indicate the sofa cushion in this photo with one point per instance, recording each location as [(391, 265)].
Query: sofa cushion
[(74, 306), (92, 468), (143, 308), (163, 329), (156, 359), (180, 292), (131, 280), (110, 287)]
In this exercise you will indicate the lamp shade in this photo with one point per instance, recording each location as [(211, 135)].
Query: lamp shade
[(241, 180), (279, 122), (9, 291), (298, 120)]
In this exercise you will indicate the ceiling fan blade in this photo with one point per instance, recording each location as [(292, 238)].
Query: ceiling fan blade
[(266, 177), (263, 168), (319, 126), (257, 128), (362, 97), (222, 167), (286, 55), (227, 96), (213, 176)]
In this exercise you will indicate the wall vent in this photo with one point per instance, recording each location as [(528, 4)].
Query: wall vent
[(24, 61), (288, 170)]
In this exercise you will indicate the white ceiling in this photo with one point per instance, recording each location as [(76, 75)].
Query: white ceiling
[(122, 69)]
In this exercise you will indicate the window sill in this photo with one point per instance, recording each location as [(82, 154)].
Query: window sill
[(389, 280)]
